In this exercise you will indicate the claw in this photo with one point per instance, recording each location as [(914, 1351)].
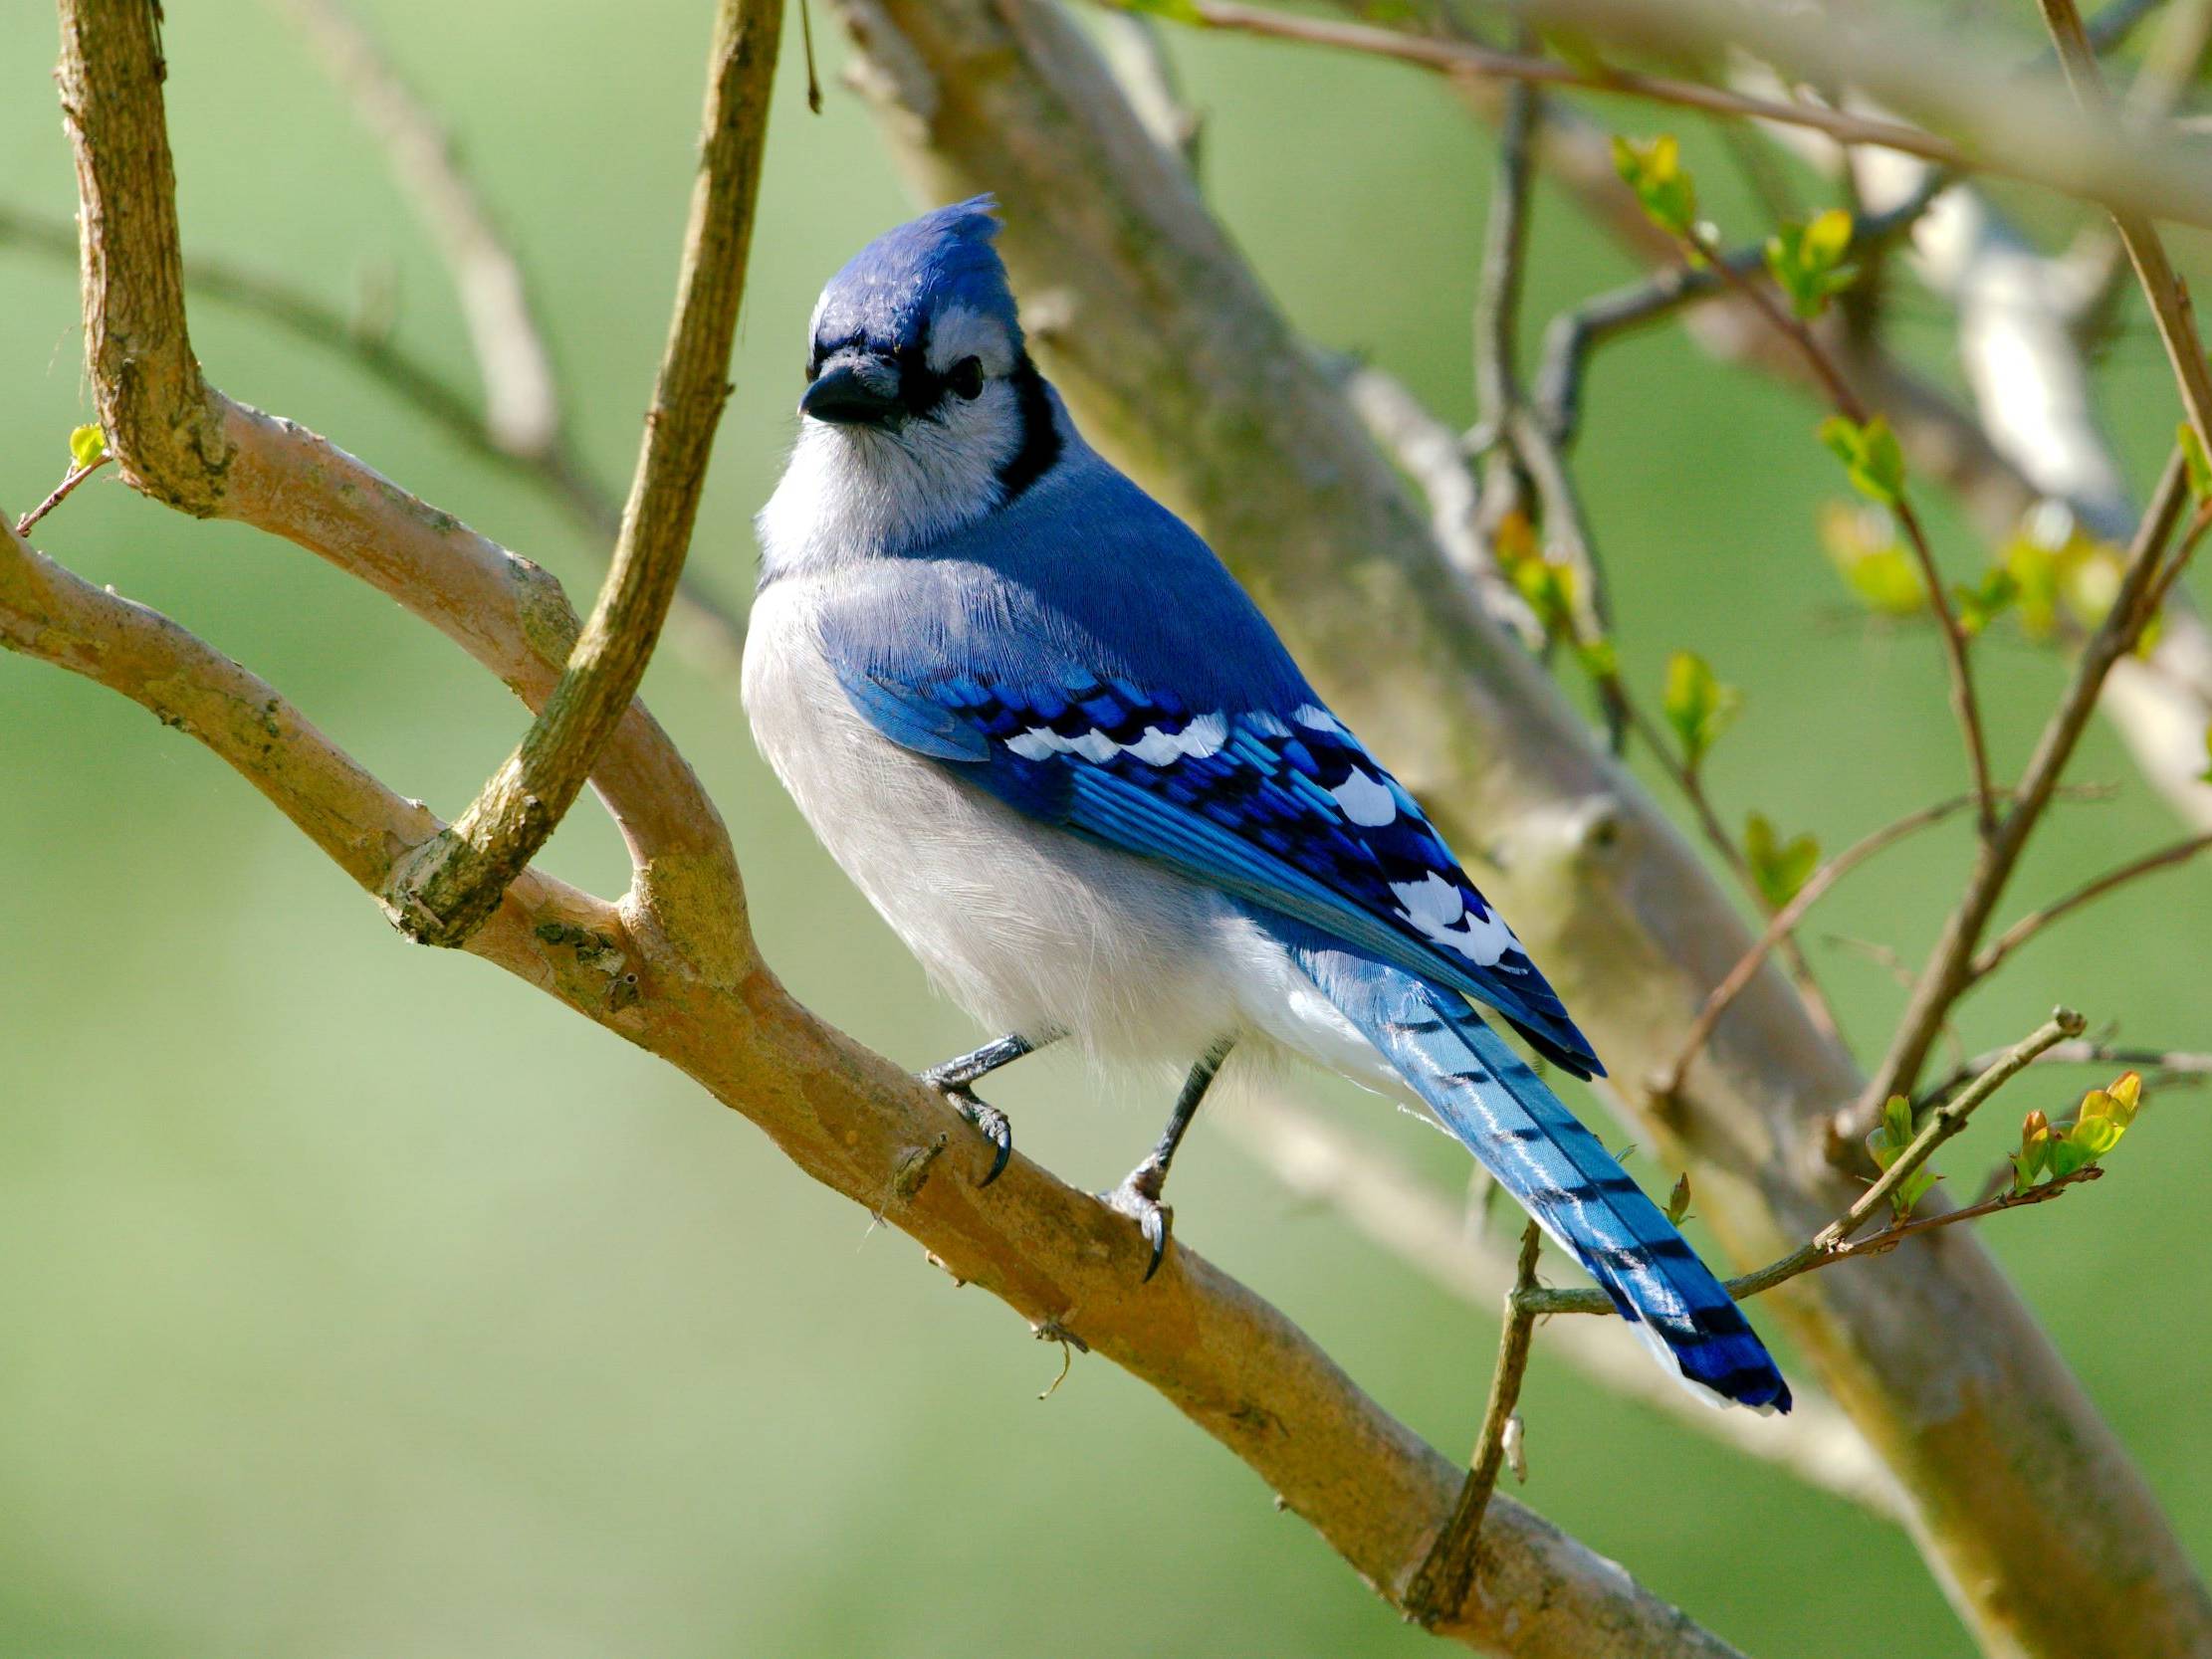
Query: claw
[(987, 1120), (1138, 1198)]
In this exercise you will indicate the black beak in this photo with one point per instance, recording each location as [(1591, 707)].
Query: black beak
[(852, 392)]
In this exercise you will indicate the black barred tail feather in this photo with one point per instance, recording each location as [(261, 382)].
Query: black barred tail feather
[(1503, 1112)]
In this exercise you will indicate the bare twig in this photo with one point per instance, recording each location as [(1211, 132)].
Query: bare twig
[(2169, 301), (1574, 334), (1781, 925), (2173, 1063), (521, 408), (1430, 451), (1441, 1584), (2020, 932), (1829, 1245), (62, 491), (452, 883)]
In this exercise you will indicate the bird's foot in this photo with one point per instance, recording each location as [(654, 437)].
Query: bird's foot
[(987, 1120), (1138, 1198)]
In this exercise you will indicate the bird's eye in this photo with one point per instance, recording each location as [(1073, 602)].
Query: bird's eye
[(967, 378), (813, 370)]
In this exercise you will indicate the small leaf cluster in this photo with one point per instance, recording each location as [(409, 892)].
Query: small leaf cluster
[(1888, 1143), (1653, 169), (1698, 705), (1861, 543), (1780, 868), (1807, 262), (1552, 591), (1870, 453), (86, 444), (2053, 1151), (2059, 572)]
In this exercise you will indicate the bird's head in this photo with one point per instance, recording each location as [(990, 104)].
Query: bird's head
[(916, 344)]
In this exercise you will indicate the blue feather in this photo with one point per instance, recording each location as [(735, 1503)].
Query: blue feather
[(1502, 1112)]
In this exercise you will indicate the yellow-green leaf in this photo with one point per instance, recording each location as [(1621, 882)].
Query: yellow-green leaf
[(1861, 543), (1678, 1201), (1978, 606), (2193, 457), (86, 444), (1806, 261), (1653, 169), (1870, 453), (1779, 867), (1698, 705)]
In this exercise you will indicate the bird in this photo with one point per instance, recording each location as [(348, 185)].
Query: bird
[(1034, 719)]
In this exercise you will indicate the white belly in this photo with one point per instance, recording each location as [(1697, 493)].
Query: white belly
[(1029, 929)]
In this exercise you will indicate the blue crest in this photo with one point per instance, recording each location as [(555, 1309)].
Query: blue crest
[(886, 295)]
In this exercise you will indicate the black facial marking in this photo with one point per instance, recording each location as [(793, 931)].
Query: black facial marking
[(1040, 439)]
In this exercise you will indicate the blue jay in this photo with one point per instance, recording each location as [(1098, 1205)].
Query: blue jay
[(1038, 724)]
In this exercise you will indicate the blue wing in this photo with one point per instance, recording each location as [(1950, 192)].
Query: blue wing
[(1283, 809)]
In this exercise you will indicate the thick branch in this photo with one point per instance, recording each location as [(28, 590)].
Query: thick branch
[(444, 894), (1173, 361), (853, 1121), (246, 466)]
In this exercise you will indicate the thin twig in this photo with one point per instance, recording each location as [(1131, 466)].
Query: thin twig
[(1441, 1237), (1441, 1584), (449, 886), (1574, 334), (1429, 451), (2060, 153), (1780, 926), (1832, 1243), (1945, 975), (2173, 1063), (2169, 301), (2020, 932), (520, 404), (1848, 402), (62, 491)]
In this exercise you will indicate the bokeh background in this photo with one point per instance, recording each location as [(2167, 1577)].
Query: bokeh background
[(358, 1299)]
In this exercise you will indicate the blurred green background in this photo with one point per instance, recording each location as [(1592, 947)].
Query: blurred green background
[(360, 1301)]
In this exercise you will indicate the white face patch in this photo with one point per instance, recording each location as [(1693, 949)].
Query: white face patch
[(958, 333), (1365, 800)]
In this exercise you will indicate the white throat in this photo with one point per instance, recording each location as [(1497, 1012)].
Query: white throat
[(855, 493)]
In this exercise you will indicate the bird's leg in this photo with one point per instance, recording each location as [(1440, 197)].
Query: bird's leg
[(956, 1080), (1138, 1196)]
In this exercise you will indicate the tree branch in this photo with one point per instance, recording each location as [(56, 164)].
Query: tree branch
[(446, 891), (855, 1121), (521, 400), (2029, 136), (1447, 1571), (1178, 366), (2020, 932), (1391, 1206), (1833, 1243), (1948, 969)]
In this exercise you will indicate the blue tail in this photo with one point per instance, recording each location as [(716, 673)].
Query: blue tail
[(1483, 1092)]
